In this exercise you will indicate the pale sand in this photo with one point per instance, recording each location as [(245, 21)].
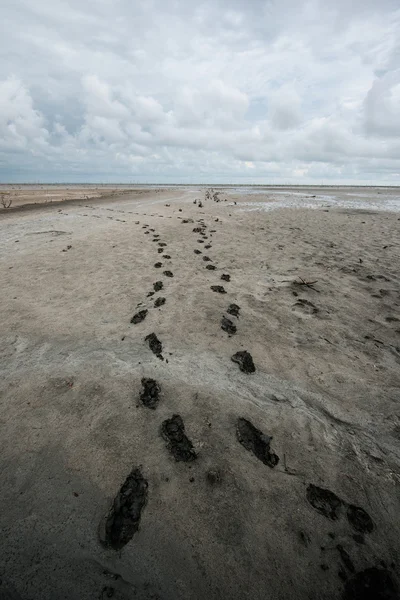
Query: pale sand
[(326, 387)]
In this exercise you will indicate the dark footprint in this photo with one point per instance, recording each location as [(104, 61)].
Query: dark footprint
[(168, 274), (150, 395), (371, 584), (159, 302), (206, 258), (155, 344), (207, 247), (324, 501), (146, 232), (139, 317), (228, 326), (160, 250), (211, 267), (256, 442), (162, 244), (124, 517), (158, 265), (173, 431), (197, 251), (197, 229), (225, 277), (359, 519), (150, 294), (244, 360), (167, 256), (233, 309), (158, 285), (306, 306), (218, 288)]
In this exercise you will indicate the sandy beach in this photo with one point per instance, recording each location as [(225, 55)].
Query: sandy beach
[(200, 401)]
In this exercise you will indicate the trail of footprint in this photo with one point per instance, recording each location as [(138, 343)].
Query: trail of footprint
[(173, 431)]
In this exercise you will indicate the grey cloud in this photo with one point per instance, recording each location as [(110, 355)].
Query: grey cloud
[(224, 90)]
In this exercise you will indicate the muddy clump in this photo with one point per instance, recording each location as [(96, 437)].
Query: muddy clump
[(197, 251), (218, 288), (158, 285), (206, 258), (211, 267), (228, 326), (168, 273), (359, 519), (256, 441), (139, 317), (173, 431), (159, 302), (233, 309), (324, 501), (225, 277), (244, 360), (150, 395), (158, 265), (124, 517), (154, 344)]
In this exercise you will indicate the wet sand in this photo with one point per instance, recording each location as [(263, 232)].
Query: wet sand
[(201, 402)]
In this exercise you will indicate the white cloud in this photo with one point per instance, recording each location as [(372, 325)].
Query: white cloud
[(215, 90)]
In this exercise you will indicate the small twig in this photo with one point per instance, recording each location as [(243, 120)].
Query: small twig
[(308, 284)]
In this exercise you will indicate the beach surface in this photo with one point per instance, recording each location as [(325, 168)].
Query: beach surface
[(200, 401)]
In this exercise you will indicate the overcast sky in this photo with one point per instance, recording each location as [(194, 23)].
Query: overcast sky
[(188, 91)]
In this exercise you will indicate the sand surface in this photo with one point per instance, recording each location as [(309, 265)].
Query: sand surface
[(312, 513)]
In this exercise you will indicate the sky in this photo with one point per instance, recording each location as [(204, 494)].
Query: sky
[(184, 91)]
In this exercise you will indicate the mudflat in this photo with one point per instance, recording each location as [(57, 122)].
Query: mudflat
[(200, 394)]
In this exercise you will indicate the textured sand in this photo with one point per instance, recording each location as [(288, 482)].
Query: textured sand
[(326, 388)]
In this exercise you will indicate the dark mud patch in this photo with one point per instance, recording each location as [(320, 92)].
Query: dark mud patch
[(150, 395), (173, 431), (207, 247), (154, 344), (160, 250), (159, 302), (225, 277), (162, 244), (371, 584), (139, 316), (158, 265), (206, 258), (244, 360), (233, 309), (324, 501), (166, 256), (359, 519), (256, 441), (158, 285), (228, 326), (219, 289), (197, 251), (124, 517), (211, 267), (168, 274)]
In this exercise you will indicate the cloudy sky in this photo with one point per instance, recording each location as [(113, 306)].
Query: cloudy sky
[(280, 91)]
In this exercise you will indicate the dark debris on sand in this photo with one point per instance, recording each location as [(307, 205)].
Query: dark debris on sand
[(233, 309), (124, 517), (228, 326), (139, 317), (154, 344), (173, 431), (256, 442), (150, 395), (218, 288), (244, 360)]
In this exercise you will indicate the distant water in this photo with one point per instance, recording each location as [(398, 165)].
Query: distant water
[(388, 200)]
